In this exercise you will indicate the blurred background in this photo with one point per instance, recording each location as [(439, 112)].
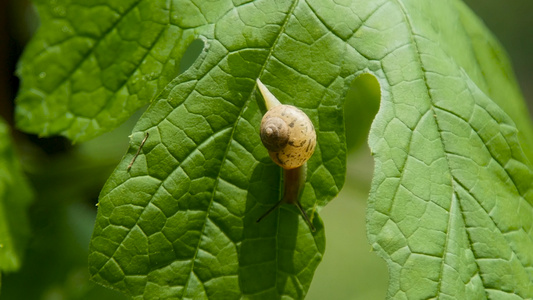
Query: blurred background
[(67, 178)]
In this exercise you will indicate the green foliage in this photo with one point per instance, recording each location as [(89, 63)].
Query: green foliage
[(55, 259), (451, 201), (92, 64), (450, 208), (15, 197), (189, 204)]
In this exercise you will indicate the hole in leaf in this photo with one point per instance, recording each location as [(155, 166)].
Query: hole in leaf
[(191, 54), (360, 108)]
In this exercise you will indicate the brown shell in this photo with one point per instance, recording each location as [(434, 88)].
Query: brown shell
[(289, 135)]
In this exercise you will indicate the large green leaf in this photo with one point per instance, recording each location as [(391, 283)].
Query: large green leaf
[(182, 221), (450, 208), (451, 200), (15, 197)]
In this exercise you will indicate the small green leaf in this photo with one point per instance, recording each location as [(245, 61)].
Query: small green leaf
[(15, 197), (92, 64)]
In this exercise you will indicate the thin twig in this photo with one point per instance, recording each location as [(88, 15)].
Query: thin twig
[(138, 151)]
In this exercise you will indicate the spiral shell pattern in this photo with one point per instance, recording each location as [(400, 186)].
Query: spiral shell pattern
[(289, 135)]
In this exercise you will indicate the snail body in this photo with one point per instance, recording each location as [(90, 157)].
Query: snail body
[(290, 138)]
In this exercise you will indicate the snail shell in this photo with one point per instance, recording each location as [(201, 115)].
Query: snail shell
[(289, 136)]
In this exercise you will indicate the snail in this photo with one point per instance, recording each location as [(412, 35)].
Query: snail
[(290, 138)]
